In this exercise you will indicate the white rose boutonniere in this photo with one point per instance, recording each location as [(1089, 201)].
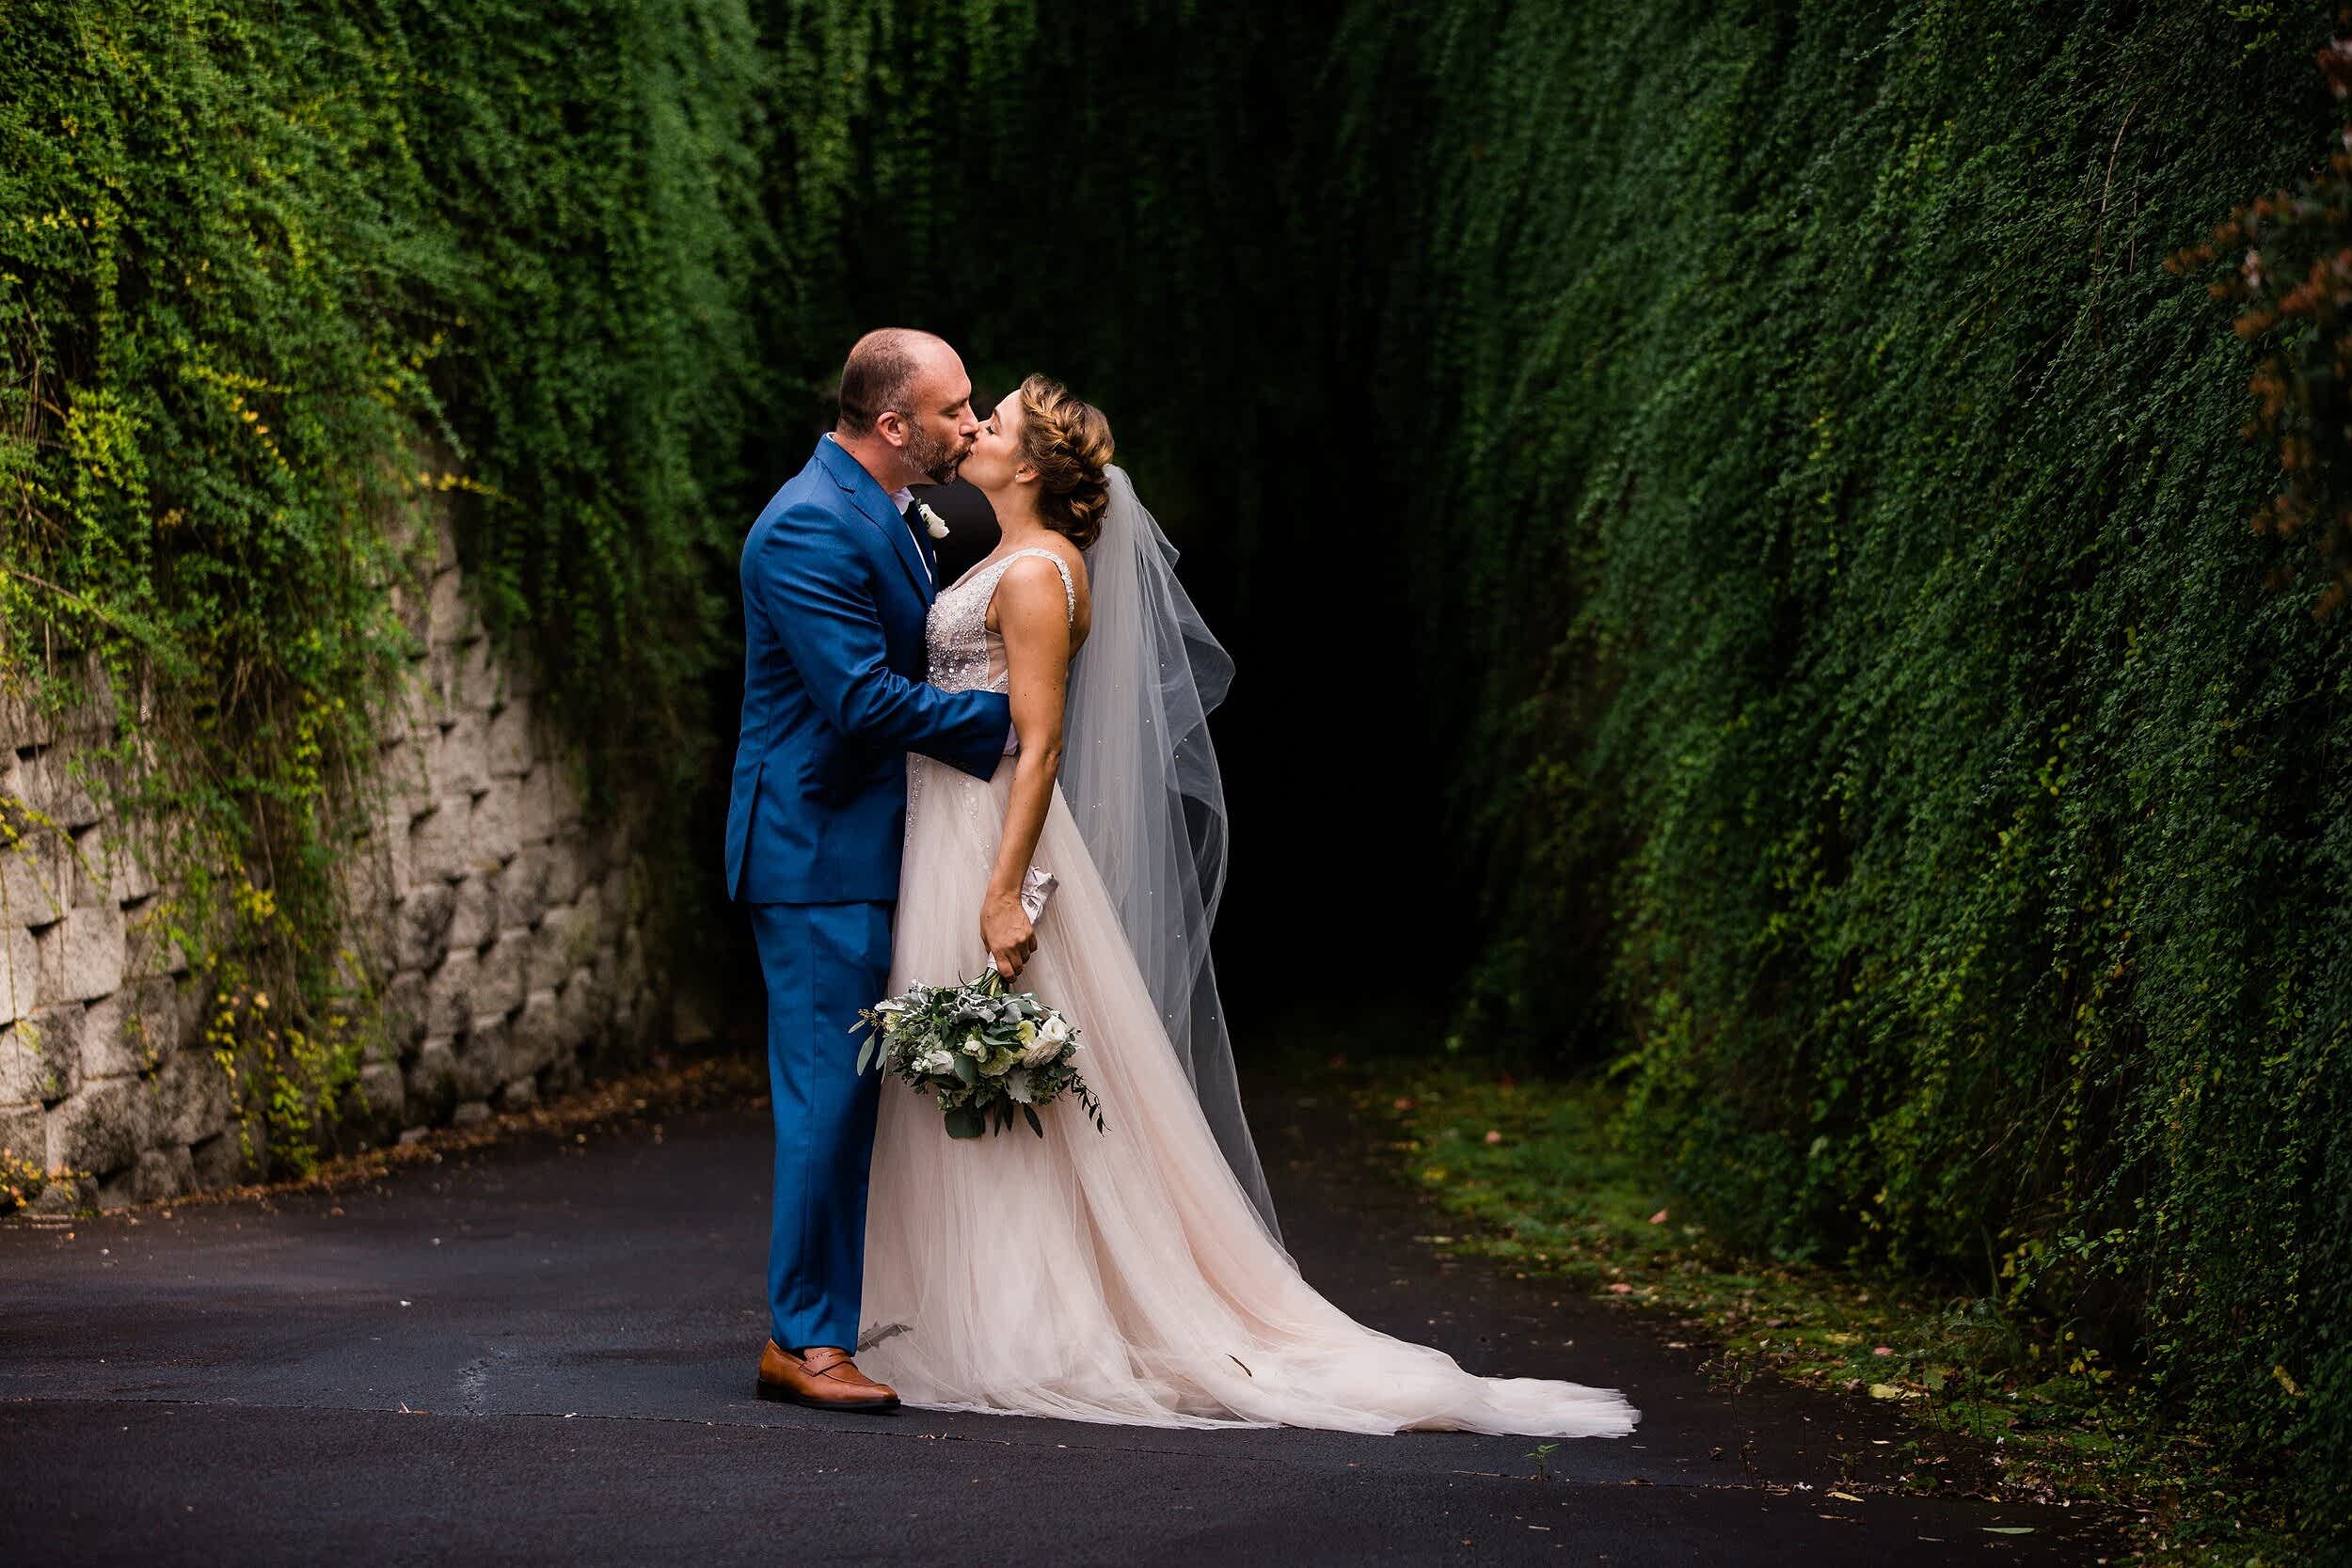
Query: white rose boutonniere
[(934, 524)]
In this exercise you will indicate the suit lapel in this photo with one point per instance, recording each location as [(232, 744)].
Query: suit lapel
[(870, 500)]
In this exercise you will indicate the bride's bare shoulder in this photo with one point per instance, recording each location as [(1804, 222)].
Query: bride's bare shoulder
[(1033, 583)]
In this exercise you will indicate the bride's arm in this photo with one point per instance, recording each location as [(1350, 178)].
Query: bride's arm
[(1033, 614)]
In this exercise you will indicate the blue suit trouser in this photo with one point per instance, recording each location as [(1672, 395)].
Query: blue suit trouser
[(822, 963)]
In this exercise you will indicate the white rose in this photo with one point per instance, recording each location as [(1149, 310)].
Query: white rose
[(1050, 1041), (933, 523)]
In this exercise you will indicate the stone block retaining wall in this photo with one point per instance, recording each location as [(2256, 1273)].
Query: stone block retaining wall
[(507, 930)]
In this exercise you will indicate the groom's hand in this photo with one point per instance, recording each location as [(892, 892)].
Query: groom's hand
[(1006, 929)]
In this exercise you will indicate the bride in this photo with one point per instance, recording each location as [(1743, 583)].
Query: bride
[(1134, 1275)]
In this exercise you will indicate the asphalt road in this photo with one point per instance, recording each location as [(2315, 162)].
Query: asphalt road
[(543, 1352)]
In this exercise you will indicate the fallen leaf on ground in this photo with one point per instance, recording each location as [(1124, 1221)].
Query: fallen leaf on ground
[(1659, 1218)]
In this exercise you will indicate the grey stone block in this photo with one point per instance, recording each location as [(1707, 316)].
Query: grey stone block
[(521, 885), (437, 842), (23, 721), (449, 995), (552, 959), (218, 1162), (565, 874), (433, 1079), (459, 761), (474, 917), (537, 803), (520, 1095), (424, 922), (102, 1128), (500, 975), (407, 1012), (23, 1133), (191, 1097), (46, 782), (81, 955), (107, 1049), (384, 1092), (481, 683), (487, 1055), (587, 922), (36, 876), (157, 1017), (87, 863), (494, 832), (163, 1174), (587, 1008), (132, 852), (148, 947), (19, 974), (371, 880), (473, 1113), (449, 619), (542, 1034), (509, 741), (40, 1058)]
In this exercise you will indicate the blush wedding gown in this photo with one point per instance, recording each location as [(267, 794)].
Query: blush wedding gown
[(1123, 1275)]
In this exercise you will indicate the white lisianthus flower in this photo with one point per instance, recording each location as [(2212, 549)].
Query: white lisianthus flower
[(934, 524), (1050, 1040), (973, 1048), (934, 1062)]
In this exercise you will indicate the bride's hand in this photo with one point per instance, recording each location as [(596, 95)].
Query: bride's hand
[(1006, 929)]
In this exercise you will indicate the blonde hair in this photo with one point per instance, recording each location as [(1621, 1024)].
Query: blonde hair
[(1068, 441)]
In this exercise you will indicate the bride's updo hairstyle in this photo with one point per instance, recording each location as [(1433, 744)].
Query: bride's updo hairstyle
[(1068, 442)]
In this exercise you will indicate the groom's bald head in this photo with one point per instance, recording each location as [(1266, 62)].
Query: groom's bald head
[(885, 372), (906, 407)]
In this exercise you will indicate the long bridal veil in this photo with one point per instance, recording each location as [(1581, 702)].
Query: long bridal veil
[(1140, 776)]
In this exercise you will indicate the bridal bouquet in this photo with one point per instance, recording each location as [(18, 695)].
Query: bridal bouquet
[(980, 1050)]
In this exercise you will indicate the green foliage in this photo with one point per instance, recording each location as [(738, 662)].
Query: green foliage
[(251, 266), (1860, 602)]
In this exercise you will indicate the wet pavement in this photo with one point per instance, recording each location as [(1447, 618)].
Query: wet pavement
[(543, 1352)]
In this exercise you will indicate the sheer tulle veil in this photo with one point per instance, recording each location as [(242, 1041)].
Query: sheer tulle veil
[(1140, 776)]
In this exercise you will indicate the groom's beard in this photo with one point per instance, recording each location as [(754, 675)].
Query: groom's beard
[(934, 459)]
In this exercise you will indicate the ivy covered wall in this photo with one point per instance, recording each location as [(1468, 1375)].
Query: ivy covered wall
[(1889, 754)]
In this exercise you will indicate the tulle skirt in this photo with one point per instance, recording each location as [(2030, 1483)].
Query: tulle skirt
[(1122, 1275)]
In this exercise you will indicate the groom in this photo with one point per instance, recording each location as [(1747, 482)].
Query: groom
[(837, 579)]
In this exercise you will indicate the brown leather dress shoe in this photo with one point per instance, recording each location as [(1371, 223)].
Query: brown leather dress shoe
[(824, 1379)]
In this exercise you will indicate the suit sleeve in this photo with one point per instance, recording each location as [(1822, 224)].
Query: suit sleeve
[(813, 592)]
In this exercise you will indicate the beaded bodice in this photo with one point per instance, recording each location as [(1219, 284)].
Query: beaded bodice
[(965, 656)]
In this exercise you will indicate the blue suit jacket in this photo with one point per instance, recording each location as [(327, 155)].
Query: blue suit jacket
[(835, 595)]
